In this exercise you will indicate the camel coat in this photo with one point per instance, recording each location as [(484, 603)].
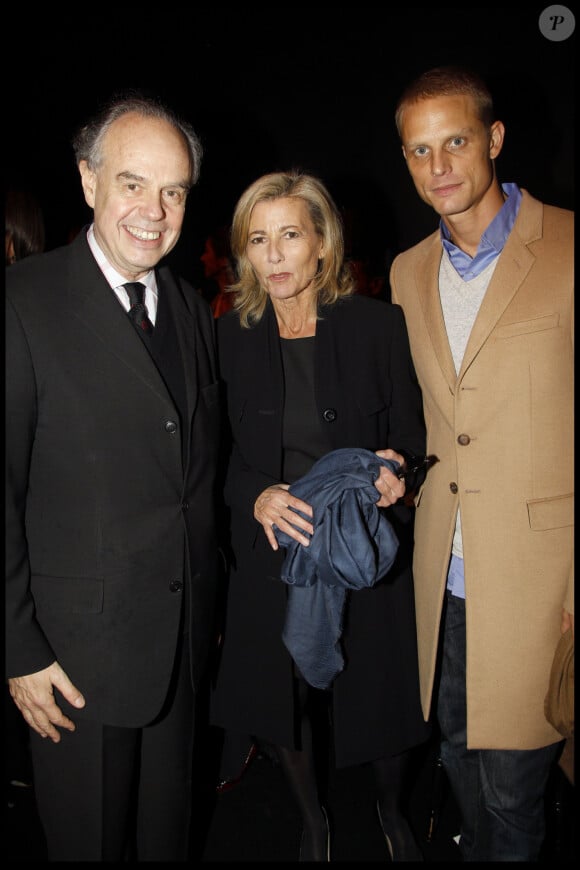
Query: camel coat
[(503, 432)]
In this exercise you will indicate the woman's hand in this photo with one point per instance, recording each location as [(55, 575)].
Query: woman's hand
[(276, 506)]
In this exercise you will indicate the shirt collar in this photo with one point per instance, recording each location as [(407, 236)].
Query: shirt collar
[(492, 240), (115, 278)]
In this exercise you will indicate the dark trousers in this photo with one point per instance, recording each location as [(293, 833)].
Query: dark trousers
[(500, 793), (110, 794)]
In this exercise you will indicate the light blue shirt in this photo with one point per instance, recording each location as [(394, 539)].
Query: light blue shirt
[(456, 577), (490, 246), (492, 240)]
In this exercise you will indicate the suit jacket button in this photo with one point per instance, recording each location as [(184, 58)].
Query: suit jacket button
[(171, 427), (329, 415), (453, 487), (463, 440), (176, 586)]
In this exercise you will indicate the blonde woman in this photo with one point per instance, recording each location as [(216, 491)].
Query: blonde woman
[(308, 367)]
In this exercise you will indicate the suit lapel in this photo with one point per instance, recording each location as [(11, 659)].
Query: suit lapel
[(513, 267), (187, 338), (259, 374), (269, 375), (263, 365), (427, 284), (96, 306)]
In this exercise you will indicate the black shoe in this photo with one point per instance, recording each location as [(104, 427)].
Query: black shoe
[(315, 848), (400, 841)]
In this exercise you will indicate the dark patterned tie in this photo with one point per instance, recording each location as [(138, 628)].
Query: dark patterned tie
[(137, 311)]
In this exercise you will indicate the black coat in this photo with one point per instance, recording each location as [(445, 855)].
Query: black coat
[(106, 527), (367, 396)]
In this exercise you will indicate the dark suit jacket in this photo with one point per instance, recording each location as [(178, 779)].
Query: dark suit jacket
[(367, 396), (107, 526)]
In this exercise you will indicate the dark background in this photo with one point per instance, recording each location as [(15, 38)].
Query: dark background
[(279, 86), (275, 86)]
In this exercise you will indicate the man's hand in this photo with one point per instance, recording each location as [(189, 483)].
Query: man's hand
[(567, 622), (390, 487), (34, 696)]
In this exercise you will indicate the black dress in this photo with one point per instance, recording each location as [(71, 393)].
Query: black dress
[(303, 439), (278, 394)]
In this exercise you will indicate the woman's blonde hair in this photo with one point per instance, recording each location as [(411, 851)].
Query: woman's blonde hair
[(333, 278)]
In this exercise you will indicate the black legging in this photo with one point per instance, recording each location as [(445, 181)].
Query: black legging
[(303, 771)]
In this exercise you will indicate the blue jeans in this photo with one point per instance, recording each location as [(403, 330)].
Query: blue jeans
[(500, 792)]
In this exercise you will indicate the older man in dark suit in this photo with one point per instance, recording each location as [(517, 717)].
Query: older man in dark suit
[(111, 444)]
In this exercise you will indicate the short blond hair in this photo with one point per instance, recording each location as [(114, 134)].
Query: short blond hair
[(333, 278), (447, 81)]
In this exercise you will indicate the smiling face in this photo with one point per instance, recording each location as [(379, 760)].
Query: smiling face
[(283, 247), (138, 192), (449, 153)]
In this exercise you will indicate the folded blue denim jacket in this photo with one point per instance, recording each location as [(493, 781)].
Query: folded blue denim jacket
[(352, 547)]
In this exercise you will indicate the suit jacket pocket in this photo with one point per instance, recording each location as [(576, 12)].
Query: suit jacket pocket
[(67, 594), (551, 513), (524, 327)]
